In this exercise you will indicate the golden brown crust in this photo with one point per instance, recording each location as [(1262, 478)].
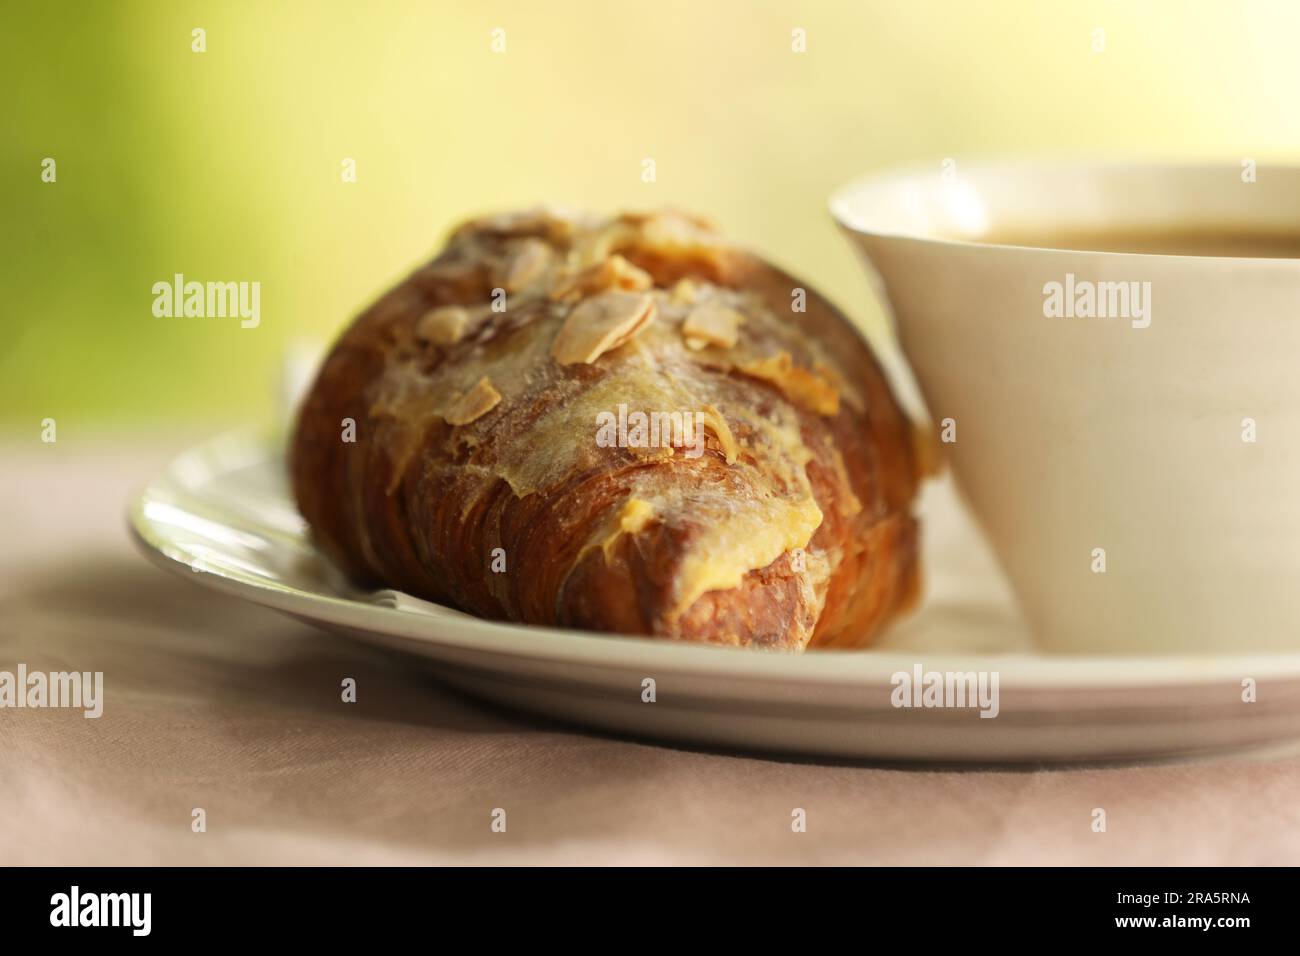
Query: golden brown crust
[(494, 396)]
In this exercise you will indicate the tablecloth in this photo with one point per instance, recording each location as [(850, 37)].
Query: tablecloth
[(216, 705)]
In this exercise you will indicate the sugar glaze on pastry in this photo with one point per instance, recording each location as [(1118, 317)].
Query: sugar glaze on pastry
[(482, 474)]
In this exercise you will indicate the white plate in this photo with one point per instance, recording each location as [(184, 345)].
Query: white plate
[(221, 514)]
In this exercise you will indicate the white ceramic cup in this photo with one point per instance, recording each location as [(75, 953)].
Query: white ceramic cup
[(1121, 438)]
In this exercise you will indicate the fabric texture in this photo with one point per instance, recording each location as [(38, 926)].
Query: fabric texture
[(211, 703)]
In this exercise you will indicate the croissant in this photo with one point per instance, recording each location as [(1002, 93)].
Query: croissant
[(617, 424)]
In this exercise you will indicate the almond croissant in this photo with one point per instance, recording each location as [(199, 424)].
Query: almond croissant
[(620, 425)]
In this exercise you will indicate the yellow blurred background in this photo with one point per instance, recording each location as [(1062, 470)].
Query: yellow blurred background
[(226, 165)]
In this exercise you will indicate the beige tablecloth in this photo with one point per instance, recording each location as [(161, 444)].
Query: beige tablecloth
[(213, 704)]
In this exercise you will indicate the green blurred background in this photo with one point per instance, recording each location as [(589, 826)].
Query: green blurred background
[(225, 165)]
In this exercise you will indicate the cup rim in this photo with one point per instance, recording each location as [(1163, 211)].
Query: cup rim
[(898, 175)]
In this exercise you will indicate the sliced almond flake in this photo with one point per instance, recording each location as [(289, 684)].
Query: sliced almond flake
[(686, 291), (594, 247), (712, 323), (716, 423), (670, 215), (600, 324), (677, 233), (802, 386), (526, 264), (555, 222), (443, 326), (613, 273), (474, 404)]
